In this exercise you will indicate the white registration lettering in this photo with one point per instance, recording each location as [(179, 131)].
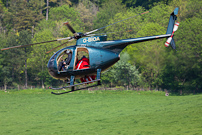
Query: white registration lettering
[(91, 39), (94, 39), (84, 40)]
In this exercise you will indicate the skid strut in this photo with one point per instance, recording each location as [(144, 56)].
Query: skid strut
[(72, 83)]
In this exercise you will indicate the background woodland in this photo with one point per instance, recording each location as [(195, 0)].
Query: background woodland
[(148, 65)]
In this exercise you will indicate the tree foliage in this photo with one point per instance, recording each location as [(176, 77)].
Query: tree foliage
[(107, 12)]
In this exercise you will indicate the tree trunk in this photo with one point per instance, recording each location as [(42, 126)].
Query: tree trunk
[(41, 10), (5, 86), (33, 31), (26, 73), (180, 92), (7, 4), (13, 77), (47, 10), (42, 83), (60, 2)]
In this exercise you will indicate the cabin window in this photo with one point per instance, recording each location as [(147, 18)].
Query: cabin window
[(82, 59), (64, 60)]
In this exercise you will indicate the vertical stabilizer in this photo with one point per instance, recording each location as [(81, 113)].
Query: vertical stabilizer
[(171, 28)]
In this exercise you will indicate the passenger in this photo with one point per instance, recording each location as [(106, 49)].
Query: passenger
[(88, 78), (83, 63)]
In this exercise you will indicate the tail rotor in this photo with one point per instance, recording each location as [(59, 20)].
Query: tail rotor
[(172, 27), (171, 37)]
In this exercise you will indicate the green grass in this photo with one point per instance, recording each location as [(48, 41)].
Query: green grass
[(34, 112)]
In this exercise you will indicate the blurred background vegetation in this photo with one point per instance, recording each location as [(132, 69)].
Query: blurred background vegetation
[(149, 65)]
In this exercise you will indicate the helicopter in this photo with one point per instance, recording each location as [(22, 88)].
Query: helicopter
[(98, 54)]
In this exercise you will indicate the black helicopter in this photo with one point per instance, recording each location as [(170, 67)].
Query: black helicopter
[(99, 54)]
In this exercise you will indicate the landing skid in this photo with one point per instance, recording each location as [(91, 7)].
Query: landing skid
[(72, 85), (74, 90)]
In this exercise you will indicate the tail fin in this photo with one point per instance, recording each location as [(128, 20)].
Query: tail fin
[(170, 29)]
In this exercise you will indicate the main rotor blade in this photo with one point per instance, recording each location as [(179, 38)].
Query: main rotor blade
[(59, 46), (19, 46), (115, 23), (98, 34), (70, 28)]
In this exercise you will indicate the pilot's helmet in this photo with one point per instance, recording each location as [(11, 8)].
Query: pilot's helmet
[(67, 51)]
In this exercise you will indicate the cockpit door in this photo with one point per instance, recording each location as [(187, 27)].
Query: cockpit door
[(81, 60), (95, 57)]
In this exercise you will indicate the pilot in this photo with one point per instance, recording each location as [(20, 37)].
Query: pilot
[(62, 65), (68, 59)]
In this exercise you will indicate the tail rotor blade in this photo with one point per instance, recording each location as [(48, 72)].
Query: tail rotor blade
[(176, 26), (168, 41)]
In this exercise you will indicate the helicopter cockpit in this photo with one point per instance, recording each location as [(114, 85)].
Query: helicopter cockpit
[(64, 60)]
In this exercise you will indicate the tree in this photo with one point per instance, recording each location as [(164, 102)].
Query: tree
[(65, 13), (124, 73), (37, 6), (2, 10), (38, 60), (87, 11), (169, 71), (144, 3), (12, 61), (20, 16), (189, 53), (59, 15), (108, 78), (61, 2), (107, 12), (23, 39), (3, 72), (127, 28), (182, 71), (194, 9), (149, 55)]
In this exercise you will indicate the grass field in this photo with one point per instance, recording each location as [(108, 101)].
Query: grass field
[(37, 112)]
